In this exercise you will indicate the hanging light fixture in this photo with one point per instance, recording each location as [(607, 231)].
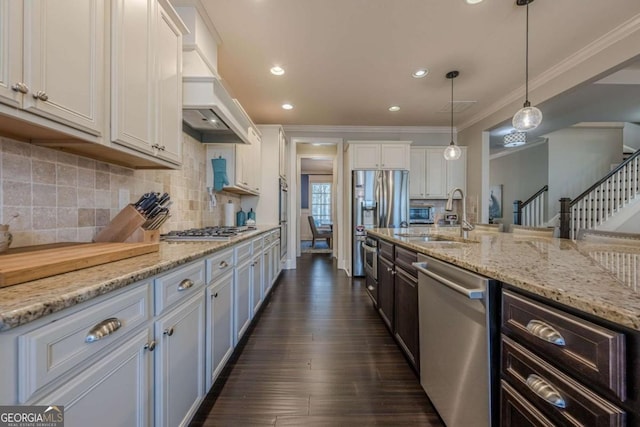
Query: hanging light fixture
[(452, 152), (515, 139), (528, 117)]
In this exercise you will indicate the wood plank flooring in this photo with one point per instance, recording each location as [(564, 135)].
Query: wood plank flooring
[(318, 355)]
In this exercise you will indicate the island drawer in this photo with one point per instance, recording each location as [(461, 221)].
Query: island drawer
[(405, 258), (583, 348), (517, 411), (51, 350), (556, 395), (219, 264), (385, 249), (178, 285)]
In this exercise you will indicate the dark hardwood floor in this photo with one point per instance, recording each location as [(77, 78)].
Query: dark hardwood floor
[(318, 355)]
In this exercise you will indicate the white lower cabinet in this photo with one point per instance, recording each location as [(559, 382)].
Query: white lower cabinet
[(147, 354), (179, 363), (219, 325), (114, 391), (242, 299)]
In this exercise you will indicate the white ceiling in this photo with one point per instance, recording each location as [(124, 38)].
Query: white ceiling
[(347, 61)]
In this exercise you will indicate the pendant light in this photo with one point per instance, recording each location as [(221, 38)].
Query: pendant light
[(528, 117), (452, 152)]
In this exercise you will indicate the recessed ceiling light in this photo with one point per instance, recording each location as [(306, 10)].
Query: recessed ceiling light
[(422, 72), (394, 108), (473, 1), (277, 71), (287, 106)]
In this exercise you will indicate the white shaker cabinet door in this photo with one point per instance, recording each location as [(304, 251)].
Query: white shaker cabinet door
[(436, 173), (219, 325), (132, 75), (11, 80), (242, 299), (114, 391), (366, 156), (180, 352), (394, 156), (417, 173), (169, 89), (64, 61)]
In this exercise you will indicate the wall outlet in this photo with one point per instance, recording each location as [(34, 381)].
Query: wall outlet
[(123, 198)]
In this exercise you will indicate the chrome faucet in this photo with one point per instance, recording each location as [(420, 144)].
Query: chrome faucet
[(465, 226)]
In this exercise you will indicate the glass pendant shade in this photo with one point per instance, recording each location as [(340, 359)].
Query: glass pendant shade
[(452, 152), (515, 139), (527, 118)]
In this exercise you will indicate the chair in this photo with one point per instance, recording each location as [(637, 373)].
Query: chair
[(319, 233), (609, 237), (488, 228), (522, 230)]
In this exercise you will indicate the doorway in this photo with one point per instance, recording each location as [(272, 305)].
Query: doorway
[(317, 204)]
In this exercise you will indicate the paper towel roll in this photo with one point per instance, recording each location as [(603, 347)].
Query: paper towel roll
[(229, 214)]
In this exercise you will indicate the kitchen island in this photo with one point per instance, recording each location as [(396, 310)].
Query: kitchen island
[(564, 330), (594, 278)]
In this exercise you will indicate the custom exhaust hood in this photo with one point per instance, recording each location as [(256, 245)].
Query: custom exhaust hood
[(210, 115)]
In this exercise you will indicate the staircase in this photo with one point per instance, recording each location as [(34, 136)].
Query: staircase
[(610, 198), (532, 211)]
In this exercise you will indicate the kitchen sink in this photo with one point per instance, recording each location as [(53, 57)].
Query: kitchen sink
[(424, 237)]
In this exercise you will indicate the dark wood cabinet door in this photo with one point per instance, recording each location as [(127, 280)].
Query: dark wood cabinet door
[(516, 411), (372, 289), (386, 275), (406, 315)]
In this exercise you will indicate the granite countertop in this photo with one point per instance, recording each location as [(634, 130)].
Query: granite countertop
[(600, 279), (26, 302)]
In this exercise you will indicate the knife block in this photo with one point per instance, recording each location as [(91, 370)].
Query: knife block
[(127, 227)]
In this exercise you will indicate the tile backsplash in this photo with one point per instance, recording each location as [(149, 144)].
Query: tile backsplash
[(60, 197)]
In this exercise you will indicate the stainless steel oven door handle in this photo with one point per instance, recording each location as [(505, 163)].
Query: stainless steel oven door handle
[(369, 248), (469, 293)]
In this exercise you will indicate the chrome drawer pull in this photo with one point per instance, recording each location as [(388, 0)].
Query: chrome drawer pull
[(103, 329), (223, 264), (545, 390), (185, 284), (545, 332)]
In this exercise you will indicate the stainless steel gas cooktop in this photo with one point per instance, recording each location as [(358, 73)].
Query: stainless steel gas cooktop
[(216, 233)]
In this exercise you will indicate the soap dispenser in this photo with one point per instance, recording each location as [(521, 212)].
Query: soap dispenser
[(241, 218)]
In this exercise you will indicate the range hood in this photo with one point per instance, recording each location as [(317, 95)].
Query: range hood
[(210, 115)]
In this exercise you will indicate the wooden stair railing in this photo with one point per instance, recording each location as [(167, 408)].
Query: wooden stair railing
[(602, 200), (531, 212)]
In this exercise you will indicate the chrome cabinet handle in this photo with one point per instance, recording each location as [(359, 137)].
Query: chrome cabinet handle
[(41, 95), (223, 264), (389, 269), (545, 332), (103, 329), (215, 295), (20, 87), (371, 288), (185, 284), (393, 272), (545, 391), (150, 346), (168, 332)]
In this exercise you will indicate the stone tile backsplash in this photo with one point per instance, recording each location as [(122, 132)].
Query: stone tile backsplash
[(63, 197)]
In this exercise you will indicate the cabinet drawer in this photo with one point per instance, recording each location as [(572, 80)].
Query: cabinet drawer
[(50, 351), (385, 249), (178, 285), (516, 411), (219, 264), (405, 258), (256, 245), (580, 347), (243, 252), (553, 393)]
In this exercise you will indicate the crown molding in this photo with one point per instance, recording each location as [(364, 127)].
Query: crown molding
[(368, 129), (617, 34)]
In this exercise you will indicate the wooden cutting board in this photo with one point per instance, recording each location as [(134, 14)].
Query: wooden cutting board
[(24, 266)]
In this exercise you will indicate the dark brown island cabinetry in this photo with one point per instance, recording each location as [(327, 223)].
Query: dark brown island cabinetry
[(562, 367), (398, 297)]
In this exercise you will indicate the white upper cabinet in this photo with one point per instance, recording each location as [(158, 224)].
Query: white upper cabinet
[(132, 74), (379, 155), (52, 60), (146, 79), (169, 106), (243, 166), (432, 177), (283, 150)]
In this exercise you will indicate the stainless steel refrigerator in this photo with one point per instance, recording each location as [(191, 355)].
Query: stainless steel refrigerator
[(380, 200)]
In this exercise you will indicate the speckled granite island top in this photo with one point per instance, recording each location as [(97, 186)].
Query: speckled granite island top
[(599, 279), (26, 302)]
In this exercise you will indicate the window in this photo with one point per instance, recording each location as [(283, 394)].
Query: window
[(320, 194)]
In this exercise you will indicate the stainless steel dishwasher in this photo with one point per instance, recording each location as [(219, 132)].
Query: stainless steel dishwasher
[(456, 331)]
